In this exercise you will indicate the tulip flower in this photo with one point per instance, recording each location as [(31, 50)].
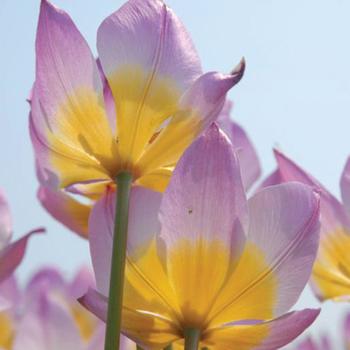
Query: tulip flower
[(161, 101), (205, 266), (331, 273), (46, 316), (11, 254), (310, 344)]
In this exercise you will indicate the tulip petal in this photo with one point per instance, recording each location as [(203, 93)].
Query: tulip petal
[(331, 274), (52, 329), (149, 329), (248, 158), (5, 222), (145, 288), (12, 255), (198, 108), (65, 209), (69, 124), (269, 335), (281, 247), (149, 60), (203, 215)]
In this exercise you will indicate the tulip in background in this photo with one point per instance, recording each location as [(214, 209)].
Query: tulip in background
[(331, 272), (11, 254), (46, 316), (206, 266)]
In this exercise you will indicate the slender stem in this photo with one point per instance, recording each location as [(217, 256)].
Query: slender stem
[(138, 347), (169, 347), (192, 337), (115, 301)]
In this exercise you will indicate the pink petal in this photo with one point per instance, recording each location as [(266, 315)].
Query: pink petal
[(284, 225), (65, 209), (333, 213), (12, 255), (143, 226), (279, 332), (147, 34), (248, 158), (83, 280), (67, 95)]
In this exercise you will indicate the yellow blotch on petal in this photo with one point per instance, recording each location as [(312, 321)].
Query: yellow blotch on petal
[(147, 286), (82, 140), (144, 100), (197, 270), (6, 332), (331, 272), (251, 282)]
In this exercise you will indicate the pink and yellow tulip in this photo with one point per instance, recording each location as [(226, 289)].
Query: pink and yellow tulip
[(46, 316), (150, 104), (331, 272), (201, 257)]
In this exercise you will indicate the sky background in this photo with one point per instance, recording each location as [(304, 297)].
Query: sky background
[(295, 95)]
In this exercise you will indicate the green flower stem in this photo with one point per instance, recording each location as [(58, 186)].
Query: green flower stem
[(138, 347), (115, 301), (169, 347), (192, 337)]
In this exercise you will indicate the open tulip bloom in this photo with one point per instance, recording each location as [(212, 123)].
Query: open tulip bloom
[(331, 272), (124, 119), (206, 266), (46, 316), (11, 254)]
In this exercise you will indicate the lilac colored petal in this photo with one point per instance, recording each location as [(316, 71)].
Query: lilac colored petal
[(199, 106), (204, 206), (248, 158), (307, 344), (53, 329), (65, 209), (273, 179), (206, 178), (143, 226), (280, 332), (67, 89), (98, 340), (5, 222), (147, 34), (9, 291), (96, 303), (83, 280), (12, 255), (333, 214), (45, 280), (345, 186), (284, 225)]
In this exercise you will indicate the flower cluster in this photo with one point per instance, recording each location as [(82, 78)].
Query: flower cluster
[(136, 152)]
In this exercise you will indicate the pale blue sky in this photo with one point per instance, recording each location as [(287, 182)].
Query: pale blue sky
[(295, 94)]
